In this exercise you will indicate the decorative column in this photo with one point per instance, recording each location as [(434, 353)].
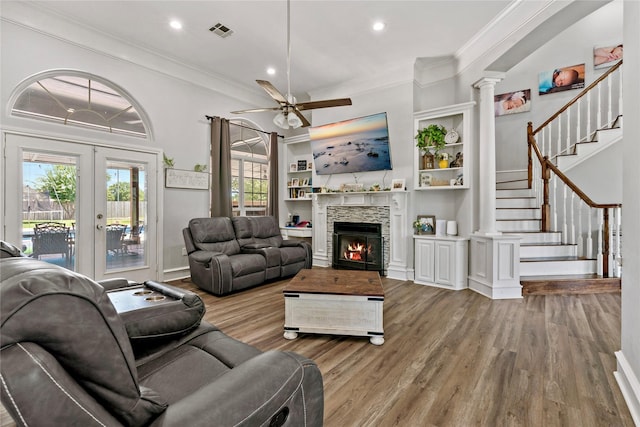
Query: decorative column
[(494, 265), (487, 156)]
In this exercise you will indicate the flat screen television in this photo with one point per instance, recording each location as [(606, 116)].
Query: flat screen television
[(355, 145)]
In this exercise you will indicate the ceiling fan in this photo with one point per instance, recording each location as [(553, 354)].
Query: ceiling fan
[(290, 111)]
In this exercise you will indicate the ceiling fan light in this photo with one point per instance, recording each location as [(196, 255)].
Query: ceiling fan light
[(280, 120), (294, 121)]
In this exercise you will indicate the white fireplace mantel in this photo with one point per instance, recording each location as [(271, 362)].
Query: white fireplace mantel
[(397, 203)]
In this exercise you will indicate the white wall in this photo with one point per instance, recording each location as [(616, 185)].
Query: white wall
[(572, 46), (396, 101), (176, 108), (629, 356)]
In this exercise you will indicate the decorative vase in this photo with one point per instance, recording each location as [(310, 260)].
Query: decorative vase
[(443, 164)]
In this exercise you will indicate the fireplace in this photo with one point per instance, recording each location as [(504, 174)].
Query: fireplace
[(358, 246)]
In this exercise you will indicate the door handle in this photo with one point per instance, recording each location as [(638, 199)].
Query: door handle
[(99, 226)]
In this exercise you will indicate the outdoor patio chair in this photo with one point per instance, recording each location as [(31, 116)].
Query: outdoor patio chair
[(115, 233), (52, 238)]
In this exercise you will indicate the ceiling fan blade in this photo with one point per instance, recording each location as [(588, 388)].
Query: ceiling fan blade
[(272, 91), (256, 110), (305, 122), (324, 104)]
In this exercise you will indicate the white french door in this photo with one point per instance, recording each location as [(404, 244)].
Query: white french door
[(102, 199)]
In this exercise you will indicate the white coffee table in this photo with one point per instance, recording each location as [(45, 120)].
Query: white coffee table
[(339, 302)]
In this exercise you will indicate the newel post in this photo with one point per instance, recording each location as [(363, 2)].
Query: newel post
[(529, 154), (546, 208), (605, 242)]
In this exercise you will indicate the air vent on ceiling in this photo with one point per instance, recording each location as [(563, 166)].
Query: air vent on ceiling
[(221, 30)]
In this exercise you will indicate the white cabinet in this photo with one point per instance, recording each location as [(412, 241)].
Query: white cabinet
[(441, 261), (457, 174)]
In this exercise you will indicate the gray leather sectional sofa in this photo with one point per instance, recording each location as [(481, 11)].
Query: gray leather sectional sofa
[(69, 357), (231, 254)]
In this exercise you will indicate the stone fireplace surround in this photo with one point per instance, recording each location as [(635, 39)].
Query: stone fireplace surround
[(385, 207)]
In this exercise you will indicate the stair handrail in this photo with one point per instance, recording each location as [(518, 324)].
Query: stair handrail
[(547, 166), (577, 97)]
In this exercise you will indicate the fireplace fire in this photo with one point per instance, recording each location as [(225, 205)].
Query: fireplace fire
[(358, 246)]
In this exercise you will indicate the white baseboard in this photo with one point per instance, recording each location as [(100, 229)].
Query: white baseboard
[(629, 385), (176, 274)]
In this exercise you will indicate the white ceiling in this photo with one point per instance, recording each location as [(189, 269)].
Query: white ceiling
[(331, 41)]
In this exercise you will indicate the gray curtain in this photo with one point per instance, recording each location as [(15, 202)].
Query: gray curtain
[(220, 168), (272, 196)]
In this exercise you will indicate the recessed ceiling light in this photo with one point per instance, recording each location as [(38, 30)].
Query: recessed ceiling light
[(271, 71), (378, 26), (175, 24)]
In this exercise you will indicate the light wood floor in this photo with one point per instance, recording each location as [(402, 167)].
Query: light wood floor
[(454, 358)]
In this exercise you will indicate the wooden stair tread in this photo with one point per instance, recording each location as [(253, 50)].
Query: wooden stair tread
[(547, 244), (556, 258), (569, 284)]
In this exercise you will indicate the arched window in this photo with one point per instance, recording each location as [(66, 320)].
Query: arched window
[(249, 170), (79, 99)]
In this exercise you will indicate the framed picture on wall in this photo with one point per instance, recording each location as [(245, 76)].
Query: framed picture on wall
[(607, 56), (561, 79), (512, 102)]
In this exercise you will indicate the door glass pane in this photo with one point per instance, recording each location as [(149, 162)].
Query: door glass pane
[(126, 215), (49, 184)]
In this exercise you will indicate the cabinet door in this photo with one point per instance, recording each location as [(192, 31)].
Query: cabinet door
[(445, 263), (424, 265)]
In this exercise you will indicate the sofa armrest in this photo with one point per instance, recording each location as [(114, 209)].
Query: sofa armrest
[(211, 271), (255, 393), (115, 283), (270, 254), (205, 257)]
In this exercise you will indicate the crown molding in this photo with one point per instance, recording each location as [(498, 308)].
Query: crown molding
[(50, 24)]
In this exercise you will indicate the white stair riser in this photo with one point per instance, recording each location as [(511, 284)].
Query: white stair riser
[(539, 237), (538, 251), (520, 202), (518, 225), (521, 192), (518, 213), (551, 268), (513, 175), (510, 185)]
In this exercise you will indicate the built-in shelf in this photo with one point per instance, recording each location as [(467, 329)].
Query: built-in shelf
[(456, 117)]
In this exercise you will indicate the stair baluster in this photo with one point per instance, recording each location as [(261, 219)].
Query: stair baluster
[(544, 169)]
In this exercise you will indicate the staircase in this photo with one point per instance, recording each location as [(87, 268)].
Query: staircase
[(569, 243), (547, 266)]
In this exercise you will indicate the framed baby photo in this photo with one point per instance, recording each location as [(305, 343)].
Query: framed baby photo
[(561, 79), (607, 56), (512, 102)]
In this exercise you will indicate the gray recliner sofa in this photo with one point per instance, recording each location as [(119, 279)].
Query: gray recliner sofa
[(67, 359), (231, 254)]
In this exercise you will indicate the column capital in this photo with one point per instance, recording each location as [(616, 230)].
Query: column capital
[(489, 79)]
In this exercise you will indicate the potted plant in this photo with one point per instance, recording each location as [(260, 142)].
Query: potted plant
[(430, 139)]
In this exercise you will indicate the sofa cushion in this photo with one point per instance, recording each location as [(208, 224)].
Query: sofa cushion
[(266, 230), (244, 264), (84, 333), (291, 255), (214, 234)]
